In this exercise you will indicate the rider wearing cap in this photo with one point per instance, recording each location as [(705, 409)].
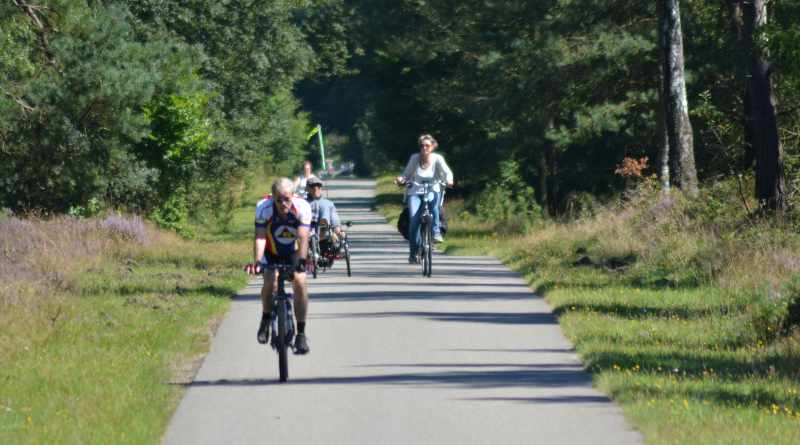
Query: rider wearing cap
[(322, 209), (281, 233)]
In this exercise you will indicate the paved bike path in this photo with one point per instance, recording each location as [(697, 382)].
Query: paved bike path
[(468, 356)]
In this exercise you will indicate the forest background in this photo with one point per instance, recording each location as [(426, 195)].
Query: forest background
[(554, 116), (157, 106)]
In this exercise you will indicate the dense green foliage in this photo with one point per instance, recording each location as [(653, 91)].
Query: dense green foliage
[(141, 104), (566, 88), (563, 88)]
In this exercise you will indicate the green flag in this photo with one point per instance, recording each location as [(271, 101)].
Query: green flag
[(312, 133)]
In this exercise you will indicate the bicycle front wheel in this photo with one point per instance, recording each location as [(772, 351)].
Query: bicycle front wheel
[(282, 343), (347, 257), (429, 252), (315, 256), (423, 249)]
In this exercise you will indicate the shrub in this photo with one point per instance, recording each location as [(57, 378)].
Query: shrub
[(509, 202), (581, 205), (173, 215)]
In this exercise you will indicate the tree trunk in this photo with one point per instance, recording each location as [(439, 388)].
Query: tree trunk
[(676, 110), (760, 118), (737, 29), (662, 135), (552, 167), (541, 190)]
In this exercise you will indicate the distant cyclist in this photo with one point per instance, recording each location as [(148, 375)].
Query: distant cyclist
[(302, 179), (281, 233), (421, 166)]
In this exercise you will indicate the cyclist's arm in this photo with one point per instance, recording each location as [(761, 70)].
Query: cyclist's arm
[(260, 232), (259, 243), (411, 167), (335, 222), (302, 234), (304, 215), (448, 174)]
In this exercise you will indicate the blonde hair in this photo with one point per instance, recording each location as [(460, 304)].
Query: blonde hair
[(427, 137)]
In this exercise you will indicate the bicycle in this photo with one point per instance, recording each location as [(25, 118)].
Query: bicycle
[(425, 247), (282, 326), (324, 257)]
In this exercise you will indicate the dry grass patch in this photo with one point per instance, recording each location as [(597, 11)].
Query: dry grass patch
[(97, 316)]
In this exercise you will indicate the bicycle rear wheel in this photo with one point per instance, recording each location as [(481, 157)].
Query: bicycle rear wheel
[(282, 344)]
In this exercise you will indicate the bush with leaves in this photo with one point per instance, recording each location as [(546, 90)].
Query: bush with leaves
[(509, 202)]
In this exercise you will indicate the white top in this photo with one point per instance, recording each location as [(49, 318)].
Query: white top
[(301, 184), (437, 169)]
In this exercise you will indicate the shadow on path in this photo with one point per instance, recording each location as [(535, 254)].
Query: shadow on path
[(464, 379), (470, 317)]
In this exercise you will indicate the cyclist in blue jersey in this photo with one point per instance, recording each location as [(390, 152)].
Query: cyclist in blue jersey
[(281, 233)]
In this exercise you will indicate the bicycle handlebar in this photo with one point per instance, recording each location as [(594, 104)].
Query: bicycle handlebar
[(426, 182)]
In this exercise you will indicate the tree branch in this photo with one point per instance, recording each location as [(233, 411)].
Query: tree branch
[(35, 13), (26, 108)]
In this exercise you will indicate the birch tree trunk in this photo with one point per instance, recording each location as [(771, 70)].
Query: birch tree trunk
[(663, 140), (676, 108)]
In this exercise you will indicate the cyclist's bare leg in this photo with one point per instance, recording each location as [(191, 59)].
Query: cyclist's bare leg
[(270, 284), (300, 296)]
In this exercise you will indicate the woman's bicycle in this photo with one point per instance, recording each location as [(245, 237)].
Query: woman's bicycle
[(282, 328), (425, 247)]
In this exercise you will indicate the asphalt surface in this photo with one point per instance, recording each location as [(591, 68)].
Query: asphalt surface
[(468, 356)]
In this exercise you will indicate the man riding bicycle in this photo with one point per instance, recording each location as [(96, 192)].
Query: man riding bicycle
[(281, 233)]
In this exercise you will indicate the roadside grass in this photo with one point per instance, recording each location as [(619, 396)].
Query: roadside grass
[(98, 330), (677, 308), (388, 198)]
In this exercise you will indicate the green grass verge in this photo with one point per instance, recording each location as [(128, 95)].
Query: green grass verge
[(685, 361), (104, 357)]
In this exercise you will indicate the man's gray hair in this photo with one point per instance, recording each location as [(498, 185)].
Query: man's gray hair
[(282, 185)]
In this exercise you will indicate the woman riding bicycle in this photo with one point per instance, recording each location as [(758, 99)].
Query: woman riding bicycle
[(424, 165)]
